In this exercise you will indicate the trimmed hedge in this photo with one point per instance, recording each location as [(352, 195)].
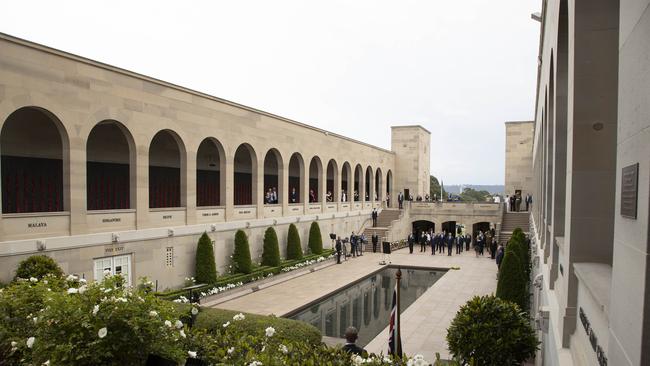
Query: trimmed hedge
[(241, 258), (238, 277), (294, 248), (512, 285), (205, 268), (271, 251), (212, 319), (490, 331), (38, 266), (315, 239)]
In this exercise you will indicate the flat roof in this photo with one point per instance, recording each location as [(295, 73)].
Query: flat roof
[(412, 126), (71, 56)]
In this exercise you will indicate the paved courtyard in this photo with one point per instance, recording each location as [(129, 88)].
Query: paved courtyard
[(424, 323)]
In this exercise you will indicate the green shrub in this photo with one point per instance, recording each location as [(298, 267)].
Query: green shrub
[(38, 266), (315, 239), (205, 268), (511, 285), (488, 331), (241, 258), (271, 251), (294, 248)]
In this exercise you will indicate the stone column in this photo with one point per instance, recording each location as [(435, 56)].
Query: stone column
[(190, 188), (76, 190), (229, 179), (283, 189), (258, 186), (141, 203)]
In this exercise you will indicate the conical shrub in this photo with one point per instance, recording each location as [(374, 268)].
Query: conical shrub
[(512, 281), (205, 270), (294, 249), (241, 258), (271, 251), (315, 239)]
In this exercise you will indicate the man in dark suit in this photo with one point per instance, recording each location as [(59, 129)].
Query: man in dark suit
[(338, 250), (423, 241), (435, 241), (468, 241), (294, 196), (374, 217), (353, 244), (450, 243), (410, 240), (351, 335), (375, 241), (459, 244), (400, 200)]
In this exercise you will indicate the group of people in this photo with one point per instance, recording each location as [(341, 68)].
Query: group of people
[(356, 246), (439, 242), (514, 202), (271, 196)]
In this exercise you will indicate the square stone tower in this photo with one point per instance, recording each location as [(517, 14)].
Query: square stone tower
[(411, 145), (519, 157)]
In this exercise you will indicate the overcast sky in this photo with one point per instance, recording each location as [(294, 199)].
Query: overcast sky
[(459, 68)]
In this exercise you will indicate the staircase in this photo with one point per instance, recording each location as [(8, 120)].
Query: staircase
[(384, 221), (511, 221)]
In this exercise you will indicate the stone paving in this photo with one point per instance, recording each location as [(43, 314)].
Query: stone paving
[(424, 323)]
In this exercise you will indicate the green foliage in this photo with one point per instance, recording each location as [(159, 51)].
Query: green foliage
[(315, 239), (205, 267), (294, 248), (271, 251), (38, 266), (488, 331), (472, 195), (241, 258), (512, 283), (434, 188)]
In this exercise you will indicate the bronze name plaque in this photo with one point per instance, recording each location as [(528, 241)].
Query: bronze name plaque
[(629, 190)]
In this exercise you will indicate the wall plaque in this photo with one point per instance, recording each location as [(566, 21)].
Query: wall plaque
[(629, 190)]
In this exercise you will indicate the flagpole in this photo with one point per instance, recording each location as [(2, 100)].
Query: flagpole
[(398, 277)]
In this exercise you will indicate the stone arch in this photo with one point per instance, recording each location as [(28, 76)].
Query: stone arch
[(210, 173), (273, 172), (379, 185), (346, 182), (167, 165), (333, 188), (370, 187), (244, 175), (316, 184), (358, 183), (110, 167), (296, 178), (389, 188), (34, 147)]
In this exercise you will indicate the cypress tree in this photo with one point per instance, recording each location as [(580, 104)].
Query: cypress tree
[(294, 249), (271, 252), (241, 258), (512, 282), (205, 267), (315, 239)]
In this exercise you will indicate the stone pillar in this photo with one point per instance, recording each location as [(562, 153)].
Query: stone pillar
[(411, 145), (283, 190), (229, 180), (76, 189), (141, 203), (258, 186), (190, 188)]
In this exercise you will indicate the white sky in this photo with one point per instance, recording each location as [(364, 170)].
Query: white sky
[(458, 68)]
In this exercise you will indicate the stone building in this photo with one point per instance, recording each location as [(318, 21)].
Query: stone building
[(103, 168), (519, 159), (591, 170)]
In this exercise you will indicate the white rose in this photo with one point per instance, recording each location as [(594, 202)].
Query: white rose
[(72, 290), (33, 279), (153, 313), (231, 350), (270, 331), (102, 332), (192, 354), (168, 323), (182, 333), (14, 343), (195, 311), (239, 316), (226, 324), (284, 349), (178, 324), (30, 342), (46, 363), (95, 309), (82, 289)]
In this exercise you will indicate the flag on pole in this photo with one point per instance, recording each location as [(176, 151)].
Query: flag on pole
[(394, 337)]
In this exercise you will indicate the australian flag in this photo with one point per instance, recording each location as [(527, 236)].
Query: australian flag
[(394, 338)]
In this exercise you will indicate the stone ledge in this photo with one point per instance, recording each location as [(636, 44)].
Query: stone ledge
[(597, 279)]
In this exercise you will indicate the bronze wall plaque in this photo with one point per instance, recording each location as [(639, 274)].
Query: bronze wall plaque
[(629, 190)]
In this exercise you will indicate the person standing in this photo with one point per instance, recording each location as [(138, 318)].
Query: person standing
[(361, 241), (410, 240), (353, 245), (434, 243), (351, 335), (375, 241), (400, 200), (374, 217), (443, 242), (423, 238), (293, 196), (338, 250), (499, 256), (468, 241), (450, 244), (387, 199), (459, 244)]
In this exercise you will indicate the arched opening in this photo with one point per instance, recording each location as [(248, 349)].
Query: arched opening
[(370, 192), (110, 167), (389, 187), (449, 227), (210, 181), (33, 160), (272, 174), (315, 173), (346, 182), (165, 160), (296, 176), (245, 168), (358, 176), (333, 191), (421, 226), (480, 226), (378, 186)]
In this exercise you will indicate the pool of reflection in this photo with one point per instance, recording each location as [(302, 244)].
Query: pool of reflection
[(365, 303)]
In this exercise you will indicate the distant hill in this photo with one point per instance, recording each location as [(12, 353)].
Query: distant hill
[(493, 189)]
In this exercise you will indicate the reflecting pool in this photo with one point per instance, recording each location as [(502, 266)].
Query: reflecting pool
[(365, 303)]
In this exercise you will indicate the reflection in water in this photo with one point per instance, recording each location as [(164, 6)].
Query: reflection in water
[(363, 300)]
